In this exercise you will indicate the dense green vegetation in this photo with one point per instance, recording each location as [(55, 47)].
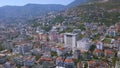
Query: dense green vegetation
[(82, 27), (46, 28), (1, 47), (107, 40), (86, 65), (107, 12), (92, 48), (53, 53), (37, 57), (58, 19), (35, 24), (94, 12)]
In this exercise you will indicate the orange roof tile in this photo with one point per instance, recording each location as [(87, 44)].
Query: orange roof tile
[(69, 60), (118, 39), (91, 62), (20, 43), (97, 64), (61, 49), (46, 59), (109, 51), (59, 58)]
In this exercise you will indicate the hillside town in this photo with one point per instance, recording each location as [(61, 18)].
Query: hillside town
[(86, 36), (24, 46)]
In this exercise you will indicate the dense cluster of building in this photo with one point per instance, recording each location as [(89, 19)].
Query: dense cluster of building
[(32, 47)]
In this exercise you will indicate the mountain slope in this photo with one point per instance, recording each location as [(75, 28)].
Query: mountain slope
[(102, 11), (28, 10), (76, 3)]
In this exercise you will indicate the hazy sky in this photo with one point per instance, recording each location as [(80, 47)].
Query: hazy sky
[(23, 2)]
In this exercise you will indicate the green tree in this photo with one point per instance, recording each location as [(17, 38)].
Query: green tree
[(18, 66), (114, 59), (86, 65), (53, 53), (35, 24), (92, 48), (46, 28), (37, 57)]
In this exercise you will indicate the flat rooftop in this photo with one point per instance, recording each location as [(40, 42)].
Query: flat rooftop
[(70, 33)]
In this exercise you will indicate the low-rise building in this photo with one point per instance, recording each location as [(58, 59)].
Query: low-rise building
[(2, 58), (80, 65), (97, 64), (53, 35), (97, 52), (29, 61), (112, 31), (84, 44), (60, 62), (117, 64), (19, 60), (61, 51), (118, 54), (44, 58), (69, 63), (109, 53), (59, 67), (22, 48), (36, 51), (76, 54), (99, 45)]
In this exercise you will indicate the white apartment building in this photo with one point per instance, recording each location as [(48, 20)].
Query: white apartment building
[(70, 40)]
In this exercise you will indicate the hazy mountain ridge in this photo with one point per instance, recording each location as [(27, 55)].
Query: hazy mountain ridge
[(31, 10), (28, 10)]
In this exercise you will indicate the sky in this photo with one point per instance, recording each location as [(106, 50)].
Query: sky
[(24, 2)]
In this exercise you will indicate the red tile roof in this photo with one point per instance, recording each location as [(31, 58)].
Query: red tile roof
[(97, 64), (109, 52), (20, 43), (91, 62), (59, 58), (118, 39), (69, 60), (61, 49), (46, 59)]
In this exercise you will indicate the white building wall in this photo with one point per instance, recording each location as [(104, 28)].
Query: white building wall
[(70, 40), (83, 45), (99, 46)]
